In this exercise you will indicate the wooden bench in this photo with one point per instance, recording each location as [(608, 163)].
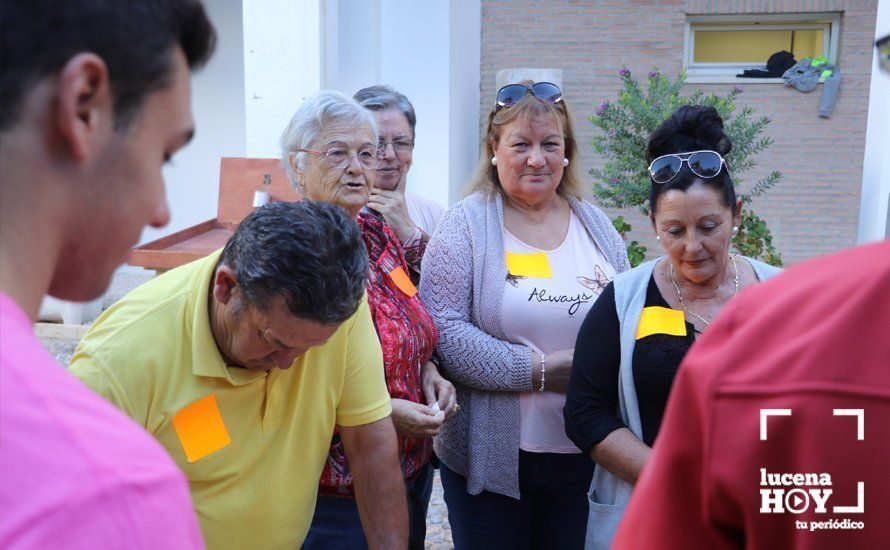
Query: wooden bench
[(239, 179)]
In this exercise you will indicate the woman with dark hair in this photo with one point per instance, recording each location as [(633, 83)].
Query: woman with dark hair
[(508, 277), (635, 336)]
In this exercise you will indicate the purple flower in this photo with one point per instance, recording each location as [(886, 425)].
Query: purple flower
[(602, 108), (738, 89), (620, 196), (654, 74), (614, 181), (624, 72)]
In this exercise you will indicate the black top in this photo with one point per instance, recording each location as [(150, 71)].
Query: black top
[(591, 411)]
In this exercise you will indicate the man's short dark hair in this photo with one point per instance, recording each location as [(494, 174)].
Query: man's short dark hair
[(309, 252), (135, 38)]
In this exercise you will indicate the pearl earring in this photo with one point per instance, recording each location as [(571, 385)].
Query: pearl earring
[(735, 230), (565, 162), (657, 237), (494, 161)]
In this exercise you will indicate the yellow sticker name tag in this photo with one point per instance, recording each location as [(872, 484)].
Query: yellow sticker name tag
[(201, 429), (661, 320), (535, 264)]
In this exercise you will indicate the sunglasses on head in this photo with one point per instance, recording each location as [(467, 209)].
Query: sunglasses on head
[(704, 164), (511, 94)]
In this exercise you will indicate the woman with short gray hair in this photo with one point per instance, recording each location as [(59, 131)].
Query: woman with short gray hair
[(330, 152), (325, 109), (412, 217)]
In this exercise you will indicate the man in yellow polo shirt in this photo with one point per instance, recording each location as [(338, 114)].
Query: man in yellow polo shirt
[(243, 363)]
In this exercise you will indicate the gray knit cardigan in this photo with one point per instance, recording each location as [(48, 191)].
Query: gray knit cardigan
[(462, 286)]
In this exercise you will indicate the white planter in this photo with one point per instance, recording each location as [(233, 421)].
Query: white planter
[(70, 313)]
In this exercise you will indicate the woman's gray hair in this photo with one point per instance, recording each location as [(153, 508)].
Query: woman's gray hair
[(316, 113), (382, 97)]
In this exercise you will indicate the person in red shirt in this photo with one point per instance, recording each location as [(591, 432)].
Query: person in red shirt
[(776, 433)]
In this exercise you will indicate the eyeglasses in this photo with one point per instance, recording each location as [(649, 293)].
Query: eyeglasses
[(398, 145), (339, 157), (883, 47), (511, 94), (704, 164)]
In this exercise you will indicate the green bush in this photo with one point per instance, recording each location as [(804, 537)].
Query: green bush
[(636, 252), (754, 239), (624, 127)]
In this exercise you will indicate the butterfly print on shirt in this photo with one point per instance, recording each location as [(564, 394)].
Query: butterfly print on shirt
[(514, 279), (598, 283)]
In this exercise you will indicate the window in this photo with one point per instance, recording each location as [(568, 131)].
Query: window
[(720, 47)]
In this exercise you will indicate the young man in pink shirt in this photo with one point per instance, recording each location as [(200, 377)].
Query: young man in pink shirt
[(96, 97)]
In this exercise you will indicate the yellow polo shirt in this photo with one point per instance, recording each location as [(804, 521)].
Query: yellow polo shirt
[(254, 451)]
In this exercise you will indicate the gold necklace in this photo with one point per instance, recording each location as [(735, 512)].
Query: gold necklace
[(707, 323)]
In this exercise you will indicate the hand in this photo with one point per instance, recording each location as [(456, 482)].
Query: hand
[(415, 420), (438, 390), (559, 369), (391, 205)]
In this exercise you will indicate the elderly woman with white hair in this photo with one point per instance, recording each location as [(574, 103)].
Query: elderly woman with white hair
[(329, 150)]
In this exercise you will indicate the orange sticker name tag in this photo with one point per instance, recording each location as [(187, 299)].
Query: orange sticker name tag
[(661, 320), (401, 279), (201, 429)]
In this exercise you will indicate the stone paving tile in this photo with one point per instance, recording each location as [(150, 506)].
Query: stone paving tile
[(62, 350), (122, 283), (438, 531)]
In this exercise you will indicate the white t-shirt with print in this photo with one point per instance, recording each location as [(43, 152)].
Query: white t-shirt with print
[(423, 212), (546, 315)]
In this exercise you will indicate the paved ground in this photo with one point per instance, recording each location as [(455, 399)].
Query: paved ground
[(438, 532)]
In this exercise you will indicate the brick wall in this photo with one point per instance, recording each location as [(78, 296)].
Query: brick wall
[(814, 209)]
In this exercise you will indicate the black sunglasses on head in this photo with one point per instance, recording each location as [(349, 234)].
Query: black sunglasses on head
[(511, 94), (704, 164)]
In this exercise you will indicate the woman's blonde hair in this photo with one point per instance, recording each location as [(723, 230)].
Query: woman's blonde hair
[(528, 108)]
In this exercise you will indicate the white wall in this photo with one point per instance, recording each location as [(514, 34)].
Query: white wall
[(465, 69), (272, 54), (267, 60), (218, 108), (282, 66), (414, 53), (430, 52), (351, 44), (874, 223)]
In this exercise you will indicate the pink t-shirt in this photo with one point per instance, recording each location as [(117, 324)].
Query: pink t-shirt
[(76, 472), (546, 315)]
